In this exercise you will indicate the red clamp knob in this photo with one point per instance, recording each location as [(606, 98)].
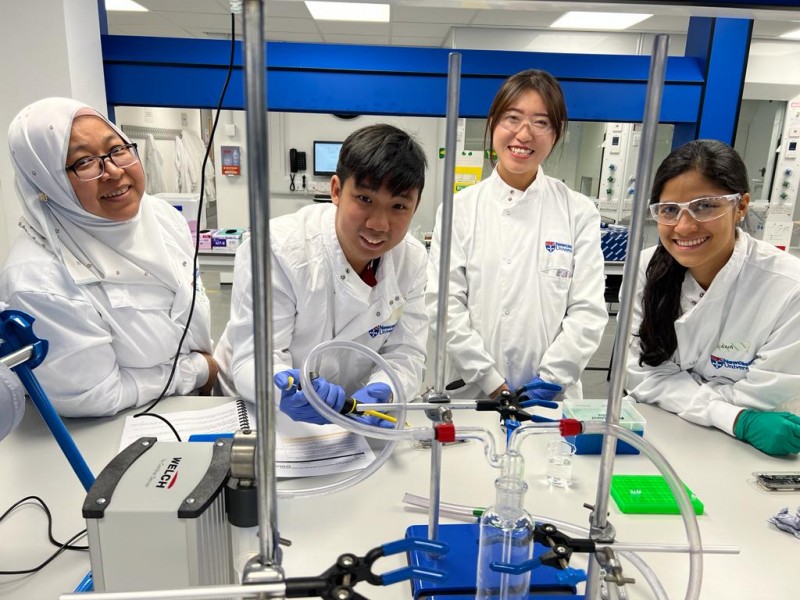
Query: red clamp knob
[(445, 432), (569, 427)]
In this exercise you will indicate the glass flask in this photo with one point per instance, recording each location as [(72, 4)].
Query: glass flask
[(506, 535)]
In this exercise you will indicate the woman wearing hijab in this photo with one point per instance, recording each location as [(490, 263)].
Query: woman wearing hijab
[(105, 269)]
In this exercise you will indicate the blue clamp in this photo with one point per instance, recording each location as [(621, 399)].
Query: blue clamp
[(16, 332), (411, 545), (568, 576), (338, 581)]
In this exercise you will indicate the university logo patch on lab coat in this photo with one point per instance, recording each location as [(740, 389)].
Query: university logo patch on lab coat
[(381, 330), (718, 363), (561, 246)]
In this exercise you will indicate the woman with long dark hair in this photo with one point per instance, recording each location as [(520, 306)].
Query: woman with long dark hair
[(717, 320)]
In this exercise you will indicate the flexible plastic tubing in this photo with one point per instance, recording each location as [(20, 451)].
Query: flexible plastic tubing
[(393, 435), (462, 511), (674, 482), (649, 575)]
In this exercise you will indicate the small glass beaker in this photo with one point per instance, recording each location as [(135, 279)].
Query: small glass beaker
[(560, 454)]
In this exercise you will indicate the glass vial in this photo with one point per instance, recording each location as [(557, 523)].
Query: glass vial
[(506, 535)]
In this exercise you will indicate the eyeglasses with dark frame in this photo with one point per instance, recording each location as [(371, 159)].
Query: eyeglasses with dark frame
[(90, 168), (703, 209)]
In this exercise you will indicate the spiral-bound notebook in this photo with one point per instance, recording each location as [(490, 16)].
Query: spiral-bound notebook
[(225, 418), (302, 449)]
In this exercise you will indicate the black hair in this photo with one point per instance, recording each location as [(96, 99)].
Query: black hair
[(661, 302), (530, 80), (382, 155)]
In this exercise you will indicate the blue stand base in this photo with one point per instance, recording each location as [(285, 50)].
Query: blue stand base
[(460, 563)]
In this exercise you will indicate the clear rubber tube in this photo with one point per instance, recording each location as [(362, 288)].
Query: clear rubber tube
[(393, 435), (649, 575), (675, 485), (311, 364)]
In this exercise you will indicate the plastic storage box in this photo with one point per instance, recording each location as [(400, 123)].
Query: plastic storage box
[(595, 410), (227, 240), (205, 238), (614, 242)]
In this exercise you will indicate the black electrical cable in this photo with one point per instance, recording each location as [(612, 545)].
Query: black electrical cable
[(146, 412), (291, 182), (62, 546)]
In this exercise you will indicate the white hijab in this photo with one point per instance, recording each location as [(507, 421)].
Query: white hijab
[(92, 248)]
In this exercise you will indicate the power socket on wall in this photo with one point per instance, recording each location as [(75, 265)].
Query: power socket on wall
[(320, 187)]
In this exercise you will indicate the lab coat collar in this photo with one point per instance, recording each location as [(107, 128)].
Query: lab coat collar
[(357, 306), (728, 275), (511, 196), (723, 282)]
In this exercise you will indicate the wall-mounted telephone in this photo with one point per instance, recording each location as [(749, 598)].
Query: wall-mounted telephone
[(297, 161)]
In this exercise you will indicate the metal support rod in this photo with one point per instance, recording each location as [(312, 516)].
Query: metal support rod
[(17, 357), (652, 108), (446, 232), (390, 407), (269, 590), (435, 489), (440, 357), (258, 194)]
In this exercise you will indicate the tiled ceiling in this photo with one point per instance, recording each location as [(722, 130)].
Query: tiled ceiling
[(414, 22)]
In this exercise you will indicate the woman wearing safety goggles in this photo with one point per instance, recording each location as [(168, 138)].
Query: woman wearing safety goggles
[(717, 318)]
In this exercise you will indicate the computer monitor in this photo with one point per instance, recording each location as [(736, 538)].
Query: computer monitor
[(326, 155)]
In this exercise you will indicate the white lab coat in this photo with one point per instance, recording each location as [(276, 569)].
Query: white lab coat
[(738, 345), (100, 364), (316, 297), (526, 285)]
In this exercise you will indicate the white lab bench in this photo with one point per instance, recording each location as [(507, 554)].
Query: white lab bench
[(715, 466)]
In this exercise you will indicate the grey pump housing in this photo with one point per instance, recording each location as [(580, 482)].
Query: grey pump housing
[(156, 517)]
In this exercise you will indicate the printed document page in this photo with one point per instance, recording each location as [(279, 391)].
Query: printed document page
[(302, 449)]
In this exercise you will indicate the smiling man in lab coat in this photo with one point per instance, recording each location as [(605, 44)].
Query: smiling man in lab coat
[(344, 271)]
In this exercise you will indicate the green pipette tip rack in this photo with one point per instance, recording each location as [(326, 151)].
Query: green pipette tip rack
[(648, 494)]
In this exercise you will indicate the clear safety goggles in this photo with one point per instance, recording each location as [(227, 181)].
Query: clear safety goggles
[(700, 209), (513, 121), (89, 168)]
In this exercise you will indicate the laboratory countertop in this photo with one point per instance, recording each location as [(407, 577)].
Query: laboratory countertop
[(715, 466)]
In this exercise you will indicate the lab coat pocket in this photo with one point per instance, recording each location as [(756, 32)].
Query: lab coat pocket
[(556, 277)]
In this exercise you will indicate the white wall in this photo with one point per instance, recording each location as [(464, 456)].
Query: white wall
[(160, 118), (299, 130), (53, 50)]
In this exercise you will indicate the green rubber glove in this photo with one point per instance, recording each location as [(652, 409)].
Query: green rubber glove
[(775, 433)]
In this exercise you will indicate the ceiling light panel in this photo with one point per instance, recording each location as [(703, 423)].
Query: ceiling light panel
[(598, 20), (349, 11), (124, 5)]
